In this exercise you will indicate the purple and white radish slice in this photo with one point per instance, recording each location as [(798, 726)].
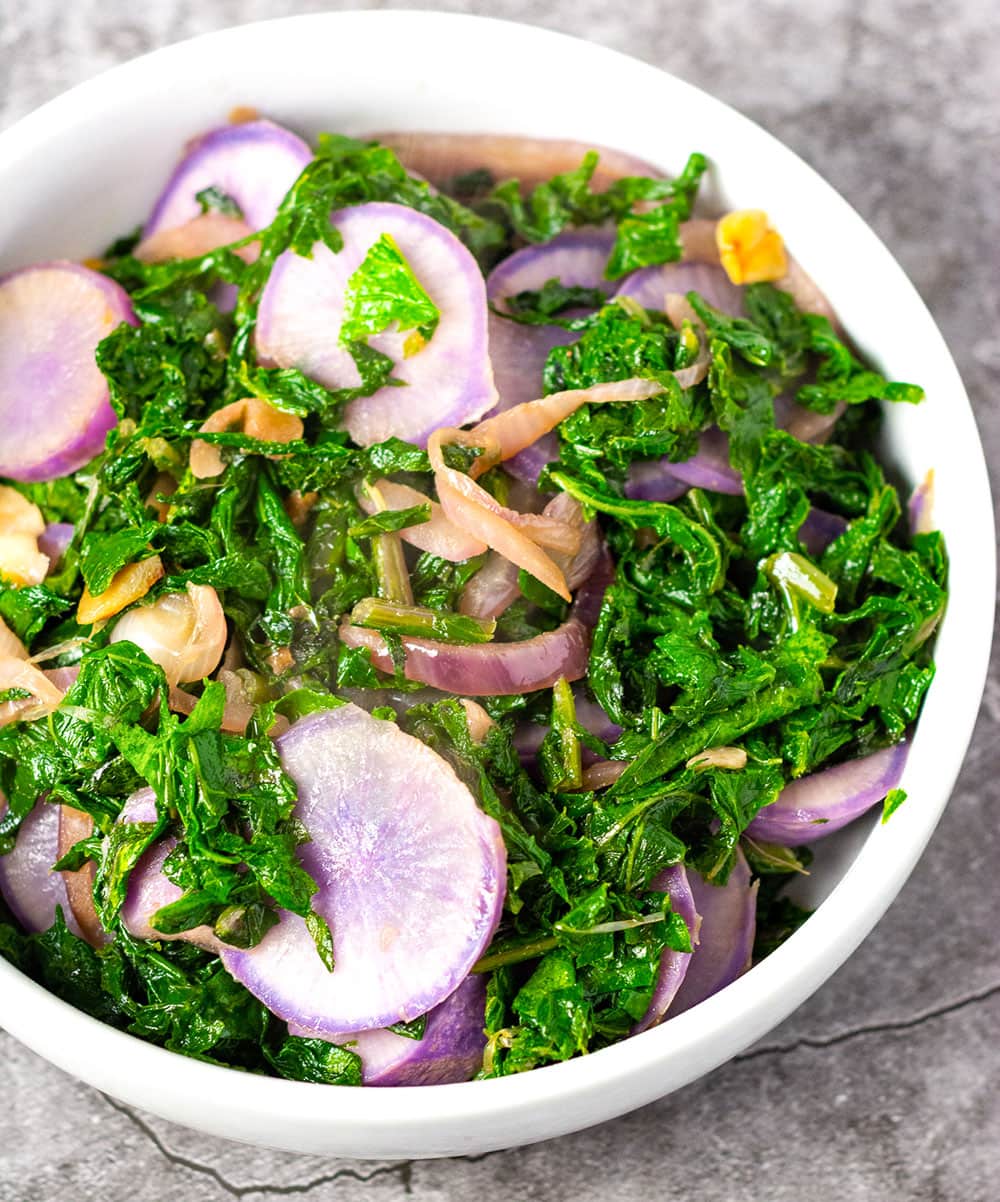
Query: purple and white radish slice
[(708, 468), (411, 877), (518, 352), (451, 1049), (725, 941), (149, 887), (674, 883), (449, 381), (254, 163), (650, 286), (823, 802), (439, 157), (30, 888), (54, 406), (54, 541), (820, 529)]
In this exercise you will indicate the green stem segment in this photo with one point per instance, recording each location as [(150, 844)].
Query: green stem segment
[(414, 620)]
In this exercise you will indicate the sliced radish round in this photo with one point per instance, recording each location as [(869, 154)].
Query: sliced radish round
[(451, 1049), (29, 886), (651, 285), (149, 887), (54, 407), (823, 802), (819, 530), (254, 163), (54, 541), (725, 940), (518, 352), (411, 877), (448, 382), (674, 883)]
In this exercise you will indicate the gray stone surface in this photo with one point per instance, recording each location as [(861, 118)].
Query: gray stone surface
[(883, 1085)]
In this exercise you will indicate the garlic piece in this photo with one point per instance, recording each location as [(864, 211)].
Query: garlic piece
[(17, 673), (127, 585), (750, 249), (251, 416), (21, 523)]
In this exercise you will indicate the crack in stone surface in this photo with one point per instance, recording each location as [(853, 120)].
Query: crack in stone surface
[(403, 1169), (814, 1043)]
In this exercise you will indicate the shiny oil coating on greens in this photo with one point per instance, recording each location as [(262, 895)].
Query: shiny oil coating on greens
[(724, 626)]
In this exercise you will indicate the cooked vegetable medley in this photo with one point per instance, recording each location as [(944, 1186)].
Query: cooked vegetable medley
[(446, 586)]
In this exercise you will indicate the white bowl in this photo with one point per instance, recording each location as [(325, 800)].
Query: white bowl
[(86, 167)]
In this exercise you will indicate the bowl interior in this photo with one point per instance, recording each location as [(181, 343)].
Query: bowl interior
[(85, 169)]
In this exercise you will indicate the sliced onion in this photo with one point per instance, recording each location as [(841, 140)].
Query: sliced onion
[(438, 536), (517, 428), (197, 237), (502, 669), (185, 633), (11, 646), (673, 965), (725, 940), (75, 825), (18, 673), (492, 590), (440, 157), (473, 509), (819, 804), (920, 509), (603, 774), (252, 416)]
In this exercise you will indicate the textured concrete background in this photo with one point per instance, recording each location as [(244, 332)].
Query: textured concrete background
[(884, 1085)]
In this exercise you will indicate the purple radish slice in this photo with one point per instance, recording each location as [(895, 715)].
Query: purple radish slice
[(725, 940), (708, 468), (674, 883), (819, 804), (439, 157), (652, 480), (650, 286), (449, 380), (54, 541), (254, 163), (411, 877), (149, 887), (451, 1049), (518, 352), (54, 406), (30, 888), (820, 529)]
